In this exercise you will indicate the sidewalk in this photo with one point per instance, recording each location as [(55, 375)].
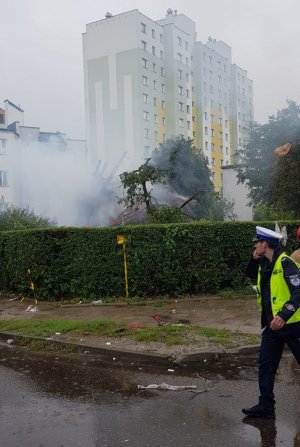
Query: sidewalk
[(239, 315)]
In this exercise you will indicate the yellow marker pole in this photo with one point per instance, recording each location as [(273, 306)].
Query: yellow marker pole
[(122, 241), (125, 270)]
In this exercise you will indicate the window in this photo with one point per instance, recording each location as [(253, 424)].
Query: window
[(205, 115), (154, 85), (206, 130), (153, 33), (181, 106), (155, 101), (220, 107), (164, 121), (179, 41), (187, 93), (219, 65), (154, 68), (2, 118), (144, 45), (156, 135), (3, 146), (213, 161), (146, 116), (164, 137), (143, 28), (161, 54), (206, 145), (226, 136), (3, 206), (204, 86), (221, 135), (210, 74), (145, 98), (163, 90), (211, 118), (187, 77), (188, 124), (186, 45), (3, 178), (163, 104), (161, 38), (180, 74), (155, 119), (226, 123), (188, 109), (145, 80), (219, 79), (179, 57), (144, 63), (210, 59), (212, 146), (212, 132), (146, 133), (220, 121), (193, 119), (181, 122), (162, 71), (153, 50), (180, 89), (187, 61), (221, 149), (227, 150)]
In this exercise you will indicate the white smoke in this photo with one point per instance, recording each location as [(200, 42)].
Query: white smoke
[(59, 185)]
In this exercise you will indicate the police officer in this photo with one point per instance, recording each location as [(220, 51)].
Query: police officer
[(278, 286)]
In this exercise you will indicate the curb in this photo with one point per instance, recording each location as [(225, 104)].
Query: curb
[(141, 358), (144, 358)]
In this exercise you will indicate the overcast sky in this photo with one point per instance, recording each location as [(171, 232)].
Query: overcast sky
[(41, 51)]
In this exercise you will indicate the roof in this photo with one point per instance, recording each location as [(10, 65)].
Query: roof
[(13, 105)]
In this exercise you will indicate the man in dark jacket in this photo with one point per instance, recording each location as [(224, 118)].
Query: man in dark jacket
[(278, 296)]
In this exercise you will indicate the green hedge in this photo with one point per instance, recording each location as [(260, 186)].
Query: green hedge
[(185, 258)]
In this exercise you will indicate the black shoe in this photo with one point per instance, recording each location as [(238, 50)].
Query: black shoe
[(259, 411)]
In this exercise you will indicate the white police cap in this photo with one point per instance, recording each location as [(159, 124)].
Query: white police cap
[(264, 234)]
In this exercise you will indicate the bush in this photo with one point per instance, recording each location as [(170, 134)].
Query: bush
[(173, 259)]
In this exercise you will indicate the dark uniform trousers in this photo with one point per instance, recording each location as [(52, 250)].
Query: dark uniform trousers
[(271, 349)]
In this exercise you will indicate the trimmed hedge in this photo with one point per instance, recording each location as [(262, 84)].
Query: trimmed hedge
[(174, 259)]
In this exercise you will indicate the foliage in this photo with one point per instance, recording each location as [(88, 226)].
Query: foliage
[(272, 213), (22, 218), (163, 259), (167, 214), (187, 172), (136, 185), (273, 180)]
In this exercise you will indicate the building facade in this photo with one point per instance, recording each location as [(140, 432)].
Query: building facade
[(147, 81)]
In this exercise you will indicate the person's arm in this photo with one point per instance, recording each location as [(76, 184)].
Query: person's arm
[(292, 278), (252, 266)]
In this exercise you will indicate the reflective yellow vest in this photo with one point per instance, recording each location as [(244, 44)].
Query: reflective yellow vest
[(280, 292)]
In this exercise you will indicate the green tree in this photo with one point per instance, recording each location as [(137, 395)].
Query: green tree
[(187, 172), (22, 218), (273, 180), (136, 183)]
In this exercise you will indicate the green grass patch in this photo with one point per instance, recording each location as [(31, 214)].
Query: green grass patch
[(46, 328), (170, 335), (247, 292)]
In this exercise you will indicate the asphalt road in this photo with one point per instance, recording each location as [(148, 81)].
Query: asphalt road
[(49, 401)]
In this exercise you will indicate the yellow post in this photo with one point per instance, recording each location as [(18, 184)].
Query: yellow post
[(122, 241)]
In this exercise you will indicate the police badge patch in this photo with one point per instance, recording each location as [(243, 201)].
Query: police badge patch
[(295, 280)]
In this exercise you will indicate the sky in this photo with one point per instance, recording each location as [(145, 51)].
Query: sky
[(41, 67)]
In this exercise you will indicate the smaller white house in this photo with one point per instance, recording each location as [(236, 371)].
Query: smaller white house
[(238, 193), (14, 133)]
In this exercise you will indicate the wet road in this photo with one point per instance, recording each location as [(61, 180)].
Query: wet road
[(49, 401)]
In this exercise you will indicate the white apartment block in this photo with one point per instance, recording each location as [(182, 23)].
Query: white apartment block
[(147, 81)]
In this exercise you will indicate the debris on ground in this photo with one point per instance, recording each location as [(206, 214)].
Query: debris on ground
[(31, 308), (165, 386)]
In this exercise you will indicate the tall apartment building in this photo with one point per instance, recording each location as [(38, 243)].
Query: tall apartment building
[(147, 81)]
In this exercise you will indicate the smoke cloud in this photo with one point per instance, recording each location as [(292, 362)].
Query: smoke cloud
[(59, 185)]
